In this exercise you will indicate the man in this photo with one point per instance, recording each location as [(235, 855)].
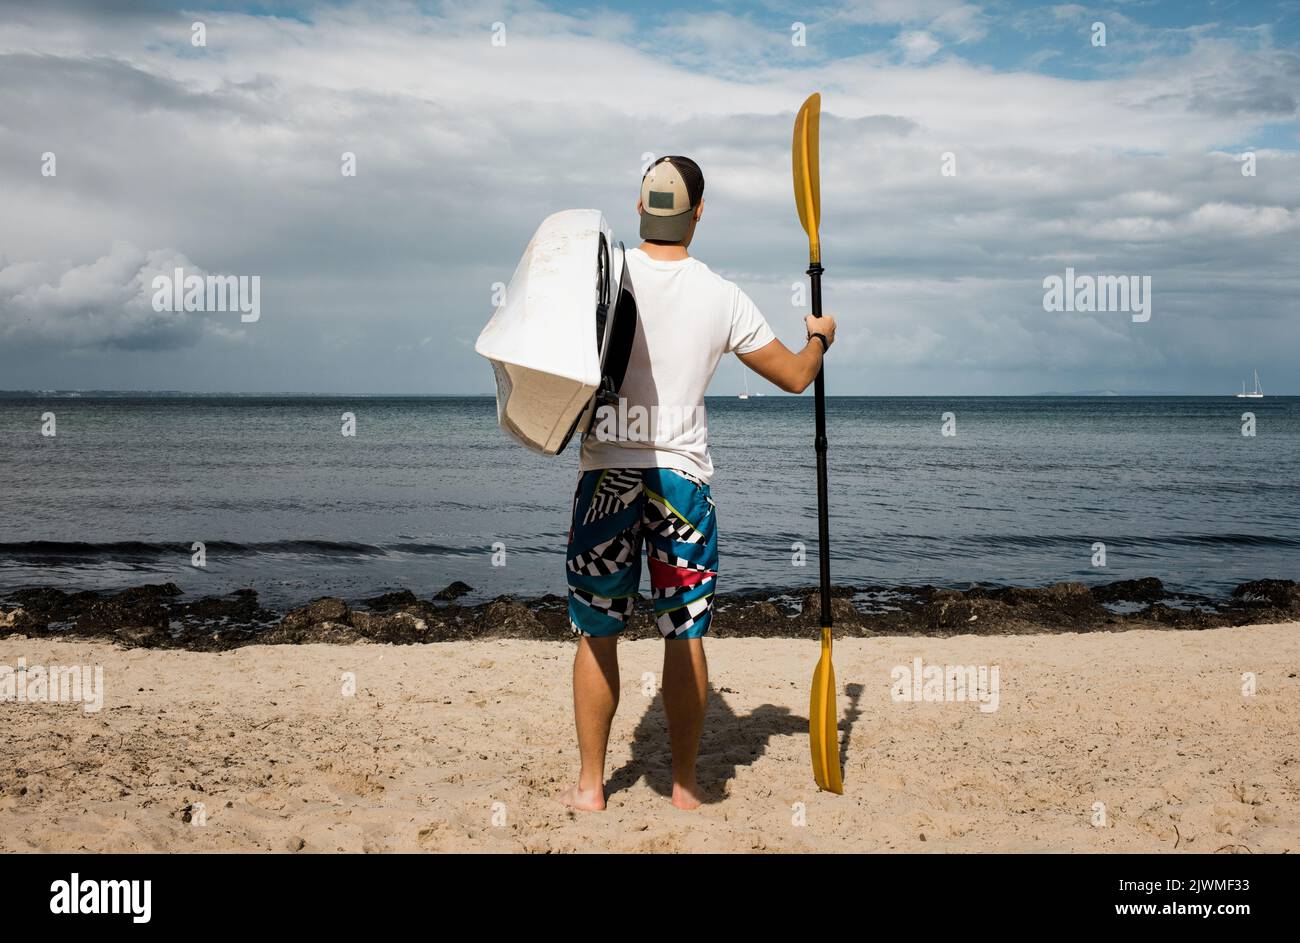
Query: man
[(650, 482)]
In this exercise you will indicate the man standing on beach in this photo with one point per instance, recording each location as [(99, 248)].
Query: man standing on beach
[(654, 486)]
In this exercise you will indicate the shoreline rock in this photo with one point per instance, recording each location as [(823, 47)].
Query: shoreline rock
[(158, 616)]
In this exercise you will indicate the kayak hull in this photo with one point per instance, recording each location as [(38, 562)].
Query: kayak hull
[(561, 330)]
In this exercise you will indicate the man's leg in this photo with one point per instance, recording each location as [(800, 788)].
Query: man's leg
[(604, 568), (681, 533), (595, 699), (686, 694)]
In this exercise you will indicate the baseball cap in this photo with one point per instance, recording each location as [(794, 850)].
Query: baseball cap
[(666, 209)]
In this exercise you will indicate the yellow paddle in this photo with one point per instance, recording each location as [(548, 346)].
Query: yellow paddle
[(823, 725)]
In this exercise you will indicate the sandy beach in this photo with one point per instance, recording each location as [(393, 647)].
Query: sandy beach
[(466, 746)]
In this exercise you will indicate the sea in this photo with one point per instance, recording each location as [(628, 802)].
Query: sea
[(265, 491)]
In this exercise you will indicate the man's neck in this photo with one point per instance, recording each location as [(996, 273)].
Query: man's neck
[(664, 252)]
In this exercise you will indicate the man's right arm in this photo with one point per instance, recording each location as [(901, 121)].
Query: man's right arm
[(791, 371)]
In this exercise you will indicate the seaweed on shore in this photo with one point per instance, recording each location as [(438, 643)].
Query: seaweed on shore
[(158, 616)]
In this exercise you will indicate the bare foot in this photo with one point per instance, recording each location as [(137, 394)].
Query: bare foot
[(685, 797), (584, 800)]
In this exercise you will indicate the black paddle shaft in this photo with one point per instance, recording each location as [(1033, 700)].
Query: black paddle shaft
[(823, 525)]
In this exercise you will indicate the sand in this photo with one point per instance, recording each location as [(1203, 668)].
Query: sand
[(465, 746)]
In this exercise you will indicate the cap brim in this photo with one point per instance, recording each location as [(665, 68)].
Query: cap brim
[(666, 228)]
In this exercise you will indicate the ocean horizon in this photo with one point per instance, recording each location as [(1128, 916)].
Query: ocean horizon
[(1027, 490)]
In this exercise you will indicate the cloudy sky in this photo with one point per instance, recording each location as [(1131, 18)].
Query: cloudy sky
[(1123, 158)]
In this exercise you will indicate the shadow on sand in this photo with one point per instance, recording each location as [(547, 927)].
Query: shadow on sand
[(730, 741)]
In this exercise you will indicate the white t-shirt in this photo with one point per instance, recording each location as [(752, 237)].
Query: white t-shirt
[(688, 317)]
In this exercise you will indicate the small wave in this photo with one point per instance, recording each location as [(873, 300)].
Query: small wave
[(924, 545), (135, 551), (1146, 541)]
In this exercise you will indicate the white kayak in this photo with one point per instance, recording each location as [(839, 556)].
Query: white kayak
[(561, 337)]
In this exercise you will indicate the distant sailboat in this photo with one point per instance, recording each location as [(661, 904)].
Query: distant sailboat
[(745, 375), (1257, 393)]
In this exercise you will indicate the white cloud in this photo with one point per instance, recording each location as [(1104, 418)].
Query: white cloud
[(917, 45), (1232, 221), (104, 303), (959, 21)]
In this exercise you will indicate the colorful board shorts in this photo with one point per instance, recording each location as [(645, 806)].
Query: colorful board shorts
[(614, 510)]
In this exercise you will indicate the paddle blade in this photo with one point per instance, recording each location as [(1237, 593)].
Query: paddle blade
[(823, 722), (807, 172)]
